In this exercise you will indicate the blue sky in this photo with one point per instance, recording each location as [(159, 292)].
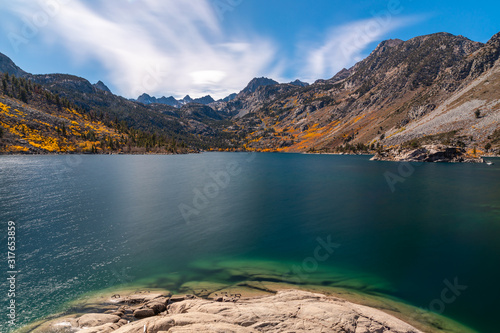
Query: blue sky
[(199, 47)]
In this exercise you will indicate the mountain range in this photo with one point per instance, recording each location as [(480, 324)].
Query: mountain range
[(206, 100), (146, 99), (437, 88)]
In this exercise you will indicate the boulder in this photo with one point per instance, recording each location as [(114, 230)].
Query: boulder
[(141, 298), (157, 307), (106, 328), (144, 313), (96, 319), (176, 298)]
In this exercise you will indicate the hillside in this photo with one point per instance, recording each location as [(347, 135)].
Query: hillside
[(434, 89), (33, 120), (157, 118), (97, 101), (387, 99)]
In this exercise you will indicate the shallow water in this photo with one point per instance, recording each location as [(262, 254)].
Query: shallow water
[(87, 223)]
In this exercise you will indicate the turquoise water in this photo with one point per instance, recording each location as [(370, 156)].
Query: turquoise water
[(86, 223)]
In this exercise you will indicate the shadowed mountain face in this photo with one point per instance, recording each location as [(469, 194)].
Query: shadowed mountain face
[(8, 66), (299, 83), (101, 86), (438, 88)]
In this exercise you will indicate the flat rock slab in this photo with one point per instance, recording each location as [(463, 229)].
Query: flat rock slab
[(96, 319), (287, 311)]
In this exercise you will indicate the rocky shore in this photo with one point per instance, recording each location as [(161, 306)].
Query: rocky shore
[(285, 311), (428, 153)]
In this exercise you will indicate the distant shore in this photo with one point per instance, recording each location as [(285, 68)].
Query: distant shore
[(373, 154)]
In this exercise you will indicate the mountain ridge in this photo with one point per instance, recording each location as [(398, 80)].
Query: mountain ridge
[(392, 97), (171, 101), (360, 107)]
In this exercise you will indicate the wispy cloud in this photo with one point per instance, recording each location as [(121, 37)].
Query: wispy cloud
[(343, 46), (177, 47), (159, 47)]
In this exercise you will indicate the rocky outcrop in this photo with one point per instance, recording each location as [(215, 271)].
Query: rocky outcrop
[(97, 319), (8, 66), (101, 86), (429, 153), (286, 311)]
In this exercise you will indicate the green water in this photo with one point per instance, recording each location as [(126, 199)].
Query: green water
[(87, 223)]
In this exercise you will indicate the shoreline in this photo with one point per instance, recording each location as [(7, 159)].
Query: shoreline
[(209, 151), (133, 308)]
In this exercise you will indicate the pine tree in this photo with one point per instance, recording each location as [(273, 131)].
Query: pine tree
[(23, 95), (58, 101)]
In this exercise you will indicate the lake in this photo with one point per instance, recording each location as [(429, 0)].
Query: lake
[(425, 234)]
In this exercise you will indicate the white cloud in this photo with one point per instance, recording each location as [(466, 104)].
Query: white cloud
[(207, 77), (343, 46), (160, 47), (178, 47)]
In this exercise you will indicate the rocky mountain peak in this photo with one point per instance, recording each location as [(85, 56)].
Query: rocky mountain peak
[(480, 61), (171, 101), (343, 74), (187, 99), (229, 97), (8, 66), (495, 40), (146, 99), (299, 83), (101, 86), (258, 82), (204, 100), (414, 63), (387, 44)]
